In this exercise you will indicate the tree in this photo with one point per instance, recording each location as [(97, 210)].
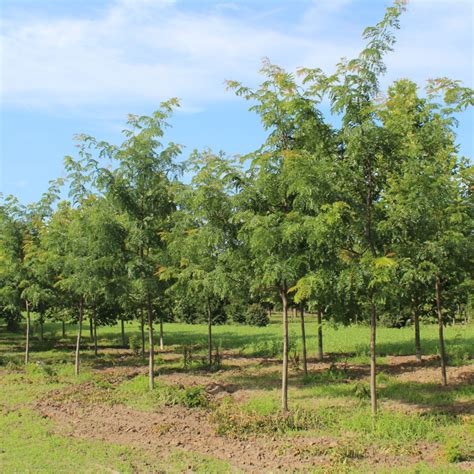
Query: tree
[(429, 210), (366, 157), (140, 188), (203, 235)]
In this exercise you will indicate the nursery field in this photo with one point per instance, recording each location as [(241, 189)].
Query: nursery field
[(229, 419)]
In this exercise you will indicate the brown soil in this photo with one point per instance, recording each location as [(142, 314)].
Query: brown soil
[(84, 411), (171, 428)]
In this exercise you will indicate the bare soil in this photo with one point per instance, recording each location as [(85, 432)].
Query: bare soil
[(171, 428)]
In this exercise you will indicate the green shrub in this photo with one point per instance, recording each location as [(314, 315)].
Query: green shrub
[(135, 343), (457, 355), (256, 315), (190, 397)]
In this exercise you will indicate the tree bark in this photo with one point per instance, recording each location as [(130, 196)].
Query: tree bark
[(209, 333), (373, 361), (303, 340), (284, 378), (64, 329), (79, 334), (151, 349), (442, 350), (320, 335), (162, 346), (95, 336), (91, 329), (416, 318), (142, 328), (41, 322), (122, 330), (373, 310), (28, 323)]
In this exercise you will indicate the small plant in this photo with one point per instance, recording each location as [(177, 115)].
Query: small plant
[(135, 344), (187, 356), (217, 359), (295, 359), (458, 355), (190, 397), (234, 422), (194, 397), (454, 452), (361, 391), (346, 451)]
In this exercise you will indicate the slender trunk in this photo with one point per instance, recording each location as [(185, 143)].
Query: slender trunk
[(209, 334), (79, 334), (373, 362), (122, 330), (284, 378), (373, 309), (91, 329), (64, 329), (151, 349), (27, 344), (41, 321), (303, 340), (95, 336), (161, 332), (442, 351), (142, 328), (416, 318), (320, 336)]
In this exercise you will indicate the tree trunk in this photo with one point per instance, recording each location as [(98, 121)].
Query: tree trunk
[(209, 334), (142, 328), (320, 335), (122, 330), (442, 351), (373, 362), (27, 344), (151, 349), (91, 329), (284, 378), (161, 332), (416, 318), (64, 329), (79, 334), (303, 340), (41, 321), (95, 337)]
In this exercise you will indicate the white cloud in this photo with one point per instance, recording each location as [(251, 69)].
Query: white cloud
[(148, 50)]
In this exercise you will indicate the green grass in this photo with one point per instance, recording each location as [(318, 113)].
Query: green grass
[(348, 342)]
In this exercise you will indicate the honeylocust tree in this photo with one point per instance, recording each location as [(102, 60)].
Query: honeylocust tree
[(429, 207), (203, 236), (140, 187)]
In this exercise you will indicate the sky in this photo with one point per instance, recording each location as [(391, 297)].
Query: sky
[(80, 66)]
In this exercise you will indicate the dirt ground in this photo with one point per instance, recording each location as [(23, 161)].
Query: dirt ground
[(177, 428)]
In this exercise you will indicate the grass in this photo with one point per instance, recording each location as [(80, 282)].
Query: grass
[(347, 342), (330, 403)]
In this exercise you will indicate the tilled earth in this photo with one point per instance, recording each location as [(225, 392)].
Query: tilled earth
[(83, 411)]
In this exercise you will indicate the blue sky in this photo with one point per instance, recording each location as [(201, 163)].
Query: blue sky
[(80, 66)]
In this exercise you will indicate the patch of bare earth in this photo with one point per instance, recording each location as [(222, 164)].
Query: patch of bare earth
[(84, 411), (169, 429)]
